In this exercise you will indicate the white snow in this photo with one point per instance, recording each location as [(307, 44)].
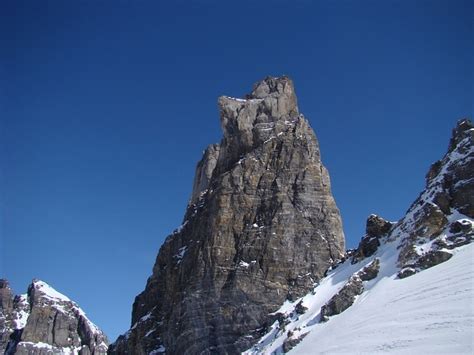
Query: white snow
[(429, 312), (243, 100), (50, 292), (150, 332), (63, 304), (244, 264), (181, 252), (22, 313), (146, 317), (160, 350)]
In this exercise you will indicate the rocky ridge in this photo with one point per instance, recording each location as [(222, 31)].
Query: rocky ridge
[(439, 224), (44, 321), (261, 227)]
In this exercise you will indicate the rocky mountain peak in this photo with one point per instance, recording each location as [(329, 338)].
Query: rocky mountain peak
[(464, 128), (45, 321), (440, 219), (266, 112), (261, 227)]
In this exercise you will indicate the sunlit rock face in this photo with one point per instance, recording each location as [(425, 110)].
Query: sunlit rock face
[(44, 321), (261, 227)]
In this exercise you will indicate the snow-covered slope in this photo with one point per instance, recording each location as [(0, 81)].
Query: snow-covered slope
[(430, 312), (408, 288)]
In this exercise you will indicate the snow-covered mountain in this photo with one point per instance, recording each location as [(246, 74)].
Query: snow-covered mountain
[(407, 288), (44, 321)]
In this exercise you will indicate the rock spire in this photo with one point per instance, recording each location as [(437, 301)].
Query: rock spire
[(261, 227)]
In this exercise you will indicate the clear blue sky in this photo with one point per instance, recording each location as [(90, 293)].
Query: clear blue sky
[(106, 107)]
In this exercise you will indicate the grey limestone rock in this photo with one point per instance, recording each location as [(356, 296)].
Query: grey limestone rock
[(6, 314), (438, 212), (343, 299), (291, 342), (376, 227), (261, 227), (43, 321), (371, 271)]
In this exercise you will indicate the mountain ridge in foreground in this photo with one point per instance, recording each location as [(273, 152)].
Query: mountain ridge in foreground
[(408, 287)]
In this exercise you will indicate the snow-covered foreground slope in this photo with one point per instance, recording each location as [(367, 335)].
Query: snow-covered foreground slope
[(409, 286), (429, 312)]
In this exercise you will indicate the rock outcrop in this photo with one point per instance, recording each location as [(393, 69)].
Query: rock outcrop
[(343, 299), (376, 228), (43, 321), (261, 227), (440, 219), (348, 293), (436, 229), (442, 216)]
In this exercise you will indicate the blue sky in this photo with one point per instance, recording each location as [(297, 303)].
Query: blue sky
[(107, 106)]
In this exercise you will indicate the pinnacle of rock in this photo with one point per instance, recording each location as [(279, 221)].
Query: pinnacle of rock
[(261, 227)]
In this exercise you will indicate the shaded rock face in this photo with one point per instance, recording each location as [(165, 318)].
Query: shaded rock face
[(376, 228), (343, 299), (371, 271), (43, 321), (261, 227), (353, 287), (292, 341), (6, 314), (442, 216)]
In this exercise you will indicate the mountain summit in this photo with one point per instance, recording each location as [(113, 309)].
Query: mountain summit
[(44, 321), (261, 227)]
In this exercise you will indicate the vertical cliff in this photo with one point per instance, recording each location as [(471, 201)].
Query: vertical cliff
[(261, 227)]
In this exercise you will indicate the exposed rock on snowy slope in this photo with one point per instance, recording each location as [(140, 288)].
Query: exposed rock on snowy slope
[(441, 218), (367, 302), (261, 227), (44, 321)]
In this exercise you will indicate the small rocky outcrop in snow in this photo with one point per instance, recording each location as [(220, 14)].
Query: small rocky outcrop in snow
[(44, 321), (347, 295), (343, 299), (376, 228)]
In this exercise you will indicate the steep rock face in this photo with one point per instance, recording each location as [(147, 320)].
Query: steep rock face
[(44, 321), (261, 227)]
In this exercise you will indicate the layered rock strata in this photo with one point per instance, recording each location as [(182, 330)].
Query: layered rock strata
[(44, 321), (261, 227)]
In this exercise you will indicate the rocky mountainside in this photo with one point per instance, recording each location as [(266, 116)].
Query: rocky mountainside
[(381, 297), (261, 228), (44, 321)]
